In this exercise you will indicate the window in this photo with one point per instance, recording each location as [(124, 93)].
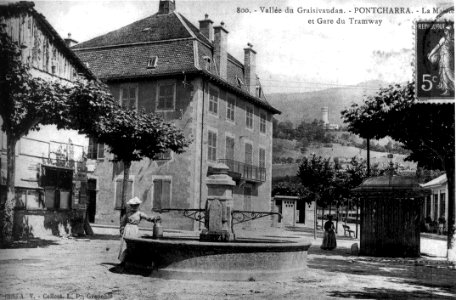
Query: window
[(262, 158), (166, 96), (248, 153), (213, 101), (262, 123), (229, 153), (249, 117), (118, 192), (29, 199), (128, 97), (96, 150), (57, 183), (162, 193), (212, 146), (152, 62), (230, 108)]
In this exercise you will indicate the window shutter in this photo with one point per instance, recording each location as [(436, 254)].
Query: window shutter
[(100, 153), (118, 194), (157, 194), (166, 186)]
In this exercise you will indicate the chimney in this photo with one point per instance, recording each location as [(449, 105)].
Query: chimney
[(250, 78), (220, 49), (166, 7), (69, 41), (206, 28)]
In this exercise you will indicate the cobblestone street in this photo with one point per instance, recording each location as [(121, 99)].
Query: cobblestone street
[(86, 268)]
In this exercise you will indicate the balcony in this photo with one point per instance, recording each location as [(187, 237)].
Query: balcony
[(77, 166), (243, 171)]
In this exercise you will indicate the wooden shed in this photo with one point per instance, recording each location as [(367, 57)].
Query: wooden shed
[(390, 216)]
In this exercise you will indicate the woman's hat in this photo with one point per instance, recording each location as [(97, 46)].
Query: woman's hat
[(134, 201)]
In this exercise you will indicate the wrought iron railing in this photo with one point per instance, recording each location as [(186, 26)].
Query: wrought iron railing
[(78, 166), (245, 171)]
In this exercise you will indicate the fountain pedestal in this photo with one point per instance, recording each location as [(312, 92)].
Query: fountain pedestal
[(219, 205)]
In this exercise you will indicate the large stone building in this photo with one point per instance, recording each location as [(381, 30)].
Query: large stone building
[(165, 64), (49, 176)]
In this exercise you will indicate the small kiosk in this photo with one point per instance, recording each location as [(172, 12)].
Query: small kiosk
[(294, 210), (390, 216)]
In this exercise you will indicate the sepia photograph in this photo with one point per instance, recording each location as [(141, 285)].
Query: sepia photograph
[(227, 149)]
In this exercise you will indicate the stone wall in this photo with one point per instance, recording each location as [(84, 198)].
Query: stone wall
[(46, 223)]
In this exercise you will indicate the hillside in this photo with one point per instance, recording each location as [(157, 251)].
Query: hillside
[(286, 148), (307, 106)]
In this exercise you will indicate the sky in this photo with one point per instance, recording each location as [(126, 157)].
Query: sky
[(292, 55)]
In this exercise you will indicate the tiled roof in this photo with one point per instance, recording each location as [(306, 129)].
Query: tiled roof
[(108, 63), (441, 180), (157, 27), (124, 53), (12, 9)]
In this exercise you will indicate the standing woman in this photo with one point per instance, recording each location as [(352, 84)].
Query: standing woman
[(443, 54), (329, 238), (129, 224)]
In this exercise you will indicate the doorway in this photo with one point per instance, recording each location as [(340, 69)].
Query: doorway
[(301, 207), (91, 200)]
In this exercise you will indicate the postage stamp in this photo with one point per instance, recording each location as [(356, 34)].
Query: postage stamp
[(434, 65)]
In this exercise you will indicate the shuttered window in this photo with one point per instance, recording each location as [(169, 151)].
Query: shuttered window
[(262, 123), (96, 150), (229, 153), (249, 117), (129, 192), (262, 158), (230, 108), (162, 193), (166, 96), (213, 101), (248, 153), (128, 97), (212, 146)]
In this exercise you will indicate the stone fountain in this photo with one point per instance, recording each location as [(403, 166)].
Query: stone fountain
[(217, 254)]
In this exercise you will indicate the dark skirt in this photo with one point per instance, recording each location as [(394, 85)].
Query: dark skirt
[(329, 240)]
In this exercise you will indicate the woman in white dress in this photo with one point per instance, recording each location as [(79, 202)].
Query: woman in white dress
[(129, 225)]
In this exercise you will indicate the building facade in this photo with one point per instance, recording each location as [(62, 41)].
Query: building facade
[(165, 64), (50, 173), (436, 204)]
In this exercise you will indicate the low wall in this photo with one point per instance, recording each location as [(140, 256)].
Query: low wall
[(239, 260), (46, 223)]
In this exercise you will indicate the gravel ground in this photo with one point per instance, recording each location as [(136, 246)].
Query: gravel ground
[(85, 268)]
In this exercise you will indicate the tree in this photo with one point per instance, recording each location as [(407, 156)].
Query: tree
[(316, 175), (427, 130), (132, 136), (28, 102)]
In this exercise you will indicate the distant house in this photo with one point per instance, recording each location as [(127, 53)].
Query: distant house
[(50, 172), (436, 204), (167, 65)]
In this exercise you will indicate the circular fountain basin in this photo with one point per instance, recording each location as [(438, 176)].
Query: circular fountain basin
[(242, 259)]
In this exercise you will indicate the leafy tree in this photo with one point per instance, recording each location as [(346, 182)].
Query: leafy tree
[(317, 174), (132, 136), (28, 102), (291, 187), (427, 130)]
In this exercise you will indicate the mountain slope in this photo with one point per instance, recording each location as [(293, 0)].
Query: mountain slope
[(307, 106)]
